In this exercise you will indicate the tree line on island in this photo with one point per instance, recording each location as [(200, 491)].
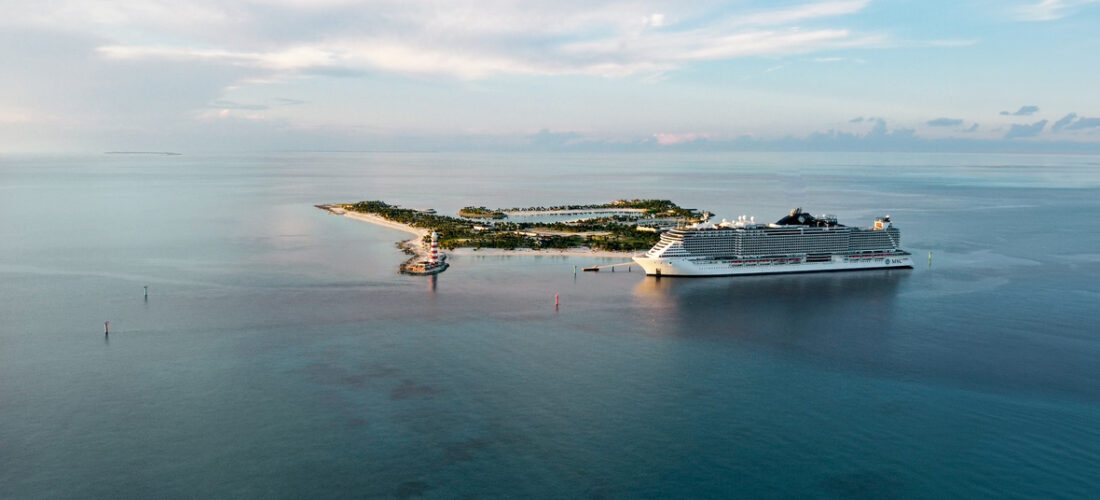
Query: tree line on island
[(481, 213), (649, 207), (616, 233)]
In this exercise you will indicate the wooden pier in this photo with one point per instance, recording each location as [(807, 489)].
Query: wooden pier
[(606, 266)]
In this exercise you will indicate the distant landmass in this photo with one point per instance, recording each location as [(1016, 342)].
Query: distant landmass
[(163, 153)]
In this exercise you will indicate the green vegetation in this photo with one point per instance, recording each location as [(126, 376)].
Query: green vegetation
[(481, 213), (663, 208), (619, 233)]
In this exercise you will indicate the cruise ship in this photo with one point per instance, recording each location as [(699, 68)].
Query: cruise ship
[(798, 242)]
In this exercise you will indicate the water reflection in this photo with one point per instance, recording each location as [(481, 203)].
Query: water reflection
[(835, 315)]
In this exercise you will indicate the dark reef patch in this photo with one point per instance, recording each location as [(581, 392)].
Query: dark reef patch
[(410, 489), (463, 452), (863, 484), (410, 390)]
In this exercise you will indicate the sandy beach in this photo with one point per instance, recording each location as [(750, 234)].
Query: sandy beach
[(415, 244)]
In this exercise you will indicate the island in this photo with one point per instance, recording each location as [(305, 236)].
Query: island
[(156, 153), (481, 213), (614, 229)]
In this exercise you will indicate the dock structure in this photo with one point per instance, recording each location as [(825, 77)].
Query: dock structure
[(607, 266)]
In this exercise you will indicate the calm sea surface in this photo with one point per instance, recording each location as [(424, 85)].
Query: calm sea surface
[(280, 355)]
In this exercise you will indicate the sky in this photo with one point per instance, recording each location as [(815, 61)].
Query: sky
[(406, 75)]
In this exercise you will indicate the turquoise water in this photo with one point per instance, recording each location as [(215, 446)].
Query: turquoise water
[(279, 354)]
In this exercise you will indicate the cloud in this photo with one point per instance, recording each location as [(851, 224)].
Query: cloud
[(63, 77), (468, 39), (612, 57), (1050, 10), (1025, 130), (879, 128), (102, 69), (1084, 123), (857, 119), (805, 12), (1073, 122), (224, 104), (1066, 120), (547, 140), (881, 138), (1023, 111), (666, 139), (944, 122)]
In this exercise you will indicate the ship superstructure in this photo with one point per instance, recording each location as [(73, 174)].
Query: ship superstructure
[(798, 242)]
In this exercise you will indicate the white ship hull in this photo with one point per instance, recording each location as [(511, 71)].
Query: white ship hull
[(701, 266)]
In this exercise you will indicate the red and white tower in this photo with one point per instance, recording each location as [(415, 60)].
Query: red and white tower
[(433, 254)]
